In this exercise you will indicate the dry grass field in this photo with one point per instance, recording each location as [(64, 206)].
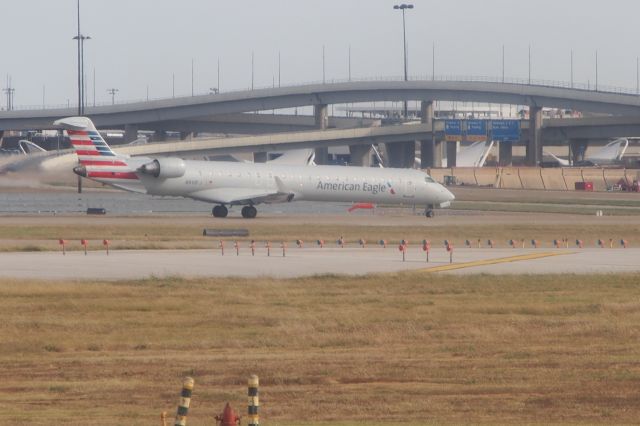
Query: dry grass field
[(407, 348)]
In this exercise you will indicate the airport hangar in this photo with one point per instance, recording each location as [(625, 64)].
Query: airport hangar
[(230, 112)]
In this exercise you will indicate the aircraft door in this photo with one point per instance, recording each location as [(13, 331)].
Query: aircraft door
[(409, 189)]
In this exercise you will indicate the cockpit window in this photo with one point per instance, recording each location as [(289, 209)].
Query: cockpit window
[(429, 179)]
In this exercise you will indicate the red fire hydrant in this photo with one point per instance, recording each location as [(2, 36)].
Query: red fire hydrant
[(228, 417)]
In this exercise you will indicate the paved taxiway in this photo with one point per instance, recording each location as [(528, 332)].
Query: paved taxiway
[(310, 261)]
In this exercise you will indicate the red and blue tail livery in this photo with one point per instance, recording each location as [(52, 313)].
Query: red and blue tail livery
[(96, 159)]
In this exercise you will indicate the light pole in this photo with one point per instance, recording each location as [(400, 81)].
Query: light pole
[(113, 92), (78, 37), (81, 84), (323, 67), (403, 7)]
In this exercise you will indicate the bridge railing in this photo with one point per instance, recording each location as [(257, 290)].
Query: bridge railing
[(444, 78)]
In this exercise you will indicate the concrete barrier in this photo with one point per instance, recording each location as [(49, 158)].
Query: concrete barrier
[(439, 174), (465, 175), (613, 176), (632, 175), (486, 176), (571, 176), (510, 178), (553, 179), (531, 178), (596, 176), (557, 179)]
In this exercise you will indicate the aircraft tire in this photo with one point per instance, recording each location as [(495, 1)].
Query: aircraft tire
[(429, 213), (220, 211), (249, 212)]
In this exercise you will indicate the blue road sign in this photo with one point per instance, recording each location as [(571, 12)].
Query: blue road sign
[(505, 130), (476, 130), (453, 130)]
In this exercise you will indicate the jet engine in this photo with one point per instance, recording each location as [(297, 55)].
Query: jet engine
[(164, 168)]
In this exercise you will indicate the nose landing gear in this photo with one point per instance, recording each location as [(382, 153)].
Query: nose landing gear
[(249, 212), (428, 212)]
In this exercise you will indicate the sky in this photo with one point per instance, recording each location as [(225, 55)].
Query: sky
[(139, 45)]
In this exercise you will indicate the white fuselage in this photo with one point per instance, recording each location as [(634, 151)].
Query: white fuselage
[(312, 183)]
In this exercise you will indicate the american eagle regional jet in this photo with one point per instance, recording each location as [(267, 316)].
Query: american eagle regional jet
[(247, 184)]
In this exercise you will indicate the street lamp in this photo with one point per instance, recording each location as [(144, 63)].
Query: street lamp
[(81, 84), (113, 92), (403, 7), (80, 39)]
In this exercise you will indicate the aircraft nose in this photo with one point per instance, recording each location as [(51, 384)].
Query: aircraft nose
[(449, 195)]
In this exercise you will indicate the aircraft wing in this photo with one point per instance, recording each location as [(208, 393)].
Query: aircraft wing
[(239, 196)]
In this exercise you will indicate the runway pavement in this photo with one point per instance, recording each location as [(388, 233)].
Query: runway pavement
[(310, 261)]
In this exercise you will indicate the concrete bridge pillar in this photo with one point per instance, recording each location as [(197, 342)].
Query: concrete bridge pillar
[(577, 149), (431, 153), (160, 136), (130, 132), (360, 155), (430, 150), (321, 113), (452, 153), (505, 154), (401, 154), (534, 147), (260, 157)]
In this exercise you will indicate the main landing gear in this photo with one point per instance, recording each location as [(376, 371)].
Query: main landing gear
[(249, 212), (220, 211)]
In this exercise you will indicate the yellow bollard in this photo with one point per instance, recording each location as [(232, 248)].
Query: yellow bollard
[(254, 402), (185, 401)]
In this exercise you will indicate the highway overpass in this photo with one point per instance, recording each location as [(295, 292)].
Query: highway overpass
[(193, 107), (180, 113)]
